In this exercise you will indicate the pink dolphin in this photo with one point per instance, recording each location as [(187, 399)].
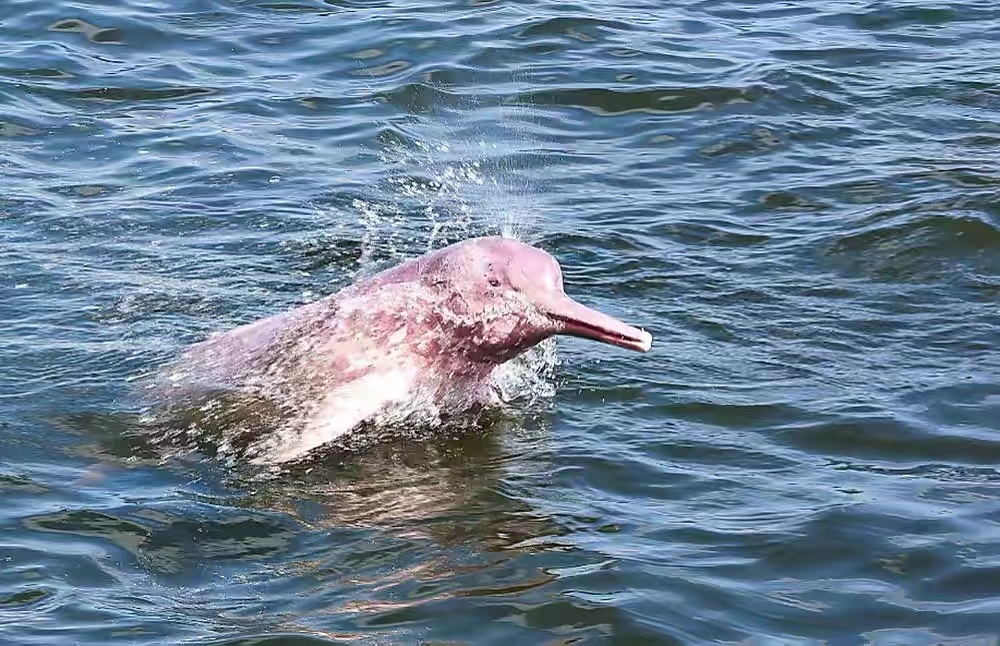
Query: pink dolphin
[(426, 333)]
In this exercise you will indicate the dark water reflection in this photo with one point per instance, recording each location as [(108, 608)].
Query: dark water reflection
[(380, 539), (800, 200)]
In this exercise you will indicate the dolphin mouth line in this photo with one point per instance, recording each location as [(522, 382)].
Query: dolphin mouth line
[(640, 341)]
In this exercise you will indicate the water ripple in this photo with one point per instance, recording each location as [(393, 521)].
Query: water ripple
[(800, 200)]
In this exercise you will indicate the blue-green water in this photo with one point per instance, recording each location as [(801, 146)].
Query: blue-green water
[(801, 200)]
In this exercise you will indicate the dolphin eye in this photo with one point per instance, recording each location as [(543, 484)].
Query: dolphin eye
[(494, 282)]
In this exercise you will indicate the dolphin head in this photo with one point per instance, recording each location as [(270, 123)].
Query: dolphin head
[(498, 297)]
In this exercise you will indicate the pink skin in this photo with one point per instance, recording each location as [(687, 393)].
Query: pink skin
[(436, 326)]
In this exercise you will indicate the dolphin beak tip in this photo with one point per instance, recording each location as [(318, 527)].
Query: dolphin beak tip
[(644, 342)]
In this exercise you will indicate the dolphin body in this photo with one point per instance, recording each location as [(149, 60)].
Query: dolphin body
[(425, 334)]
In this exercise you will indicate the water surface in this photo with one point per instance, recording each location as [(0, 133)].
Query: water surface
[(799, 200)]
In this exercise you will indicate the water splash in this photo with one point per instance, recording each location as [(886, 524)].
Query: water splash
[(530, 377), (435, 193)]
